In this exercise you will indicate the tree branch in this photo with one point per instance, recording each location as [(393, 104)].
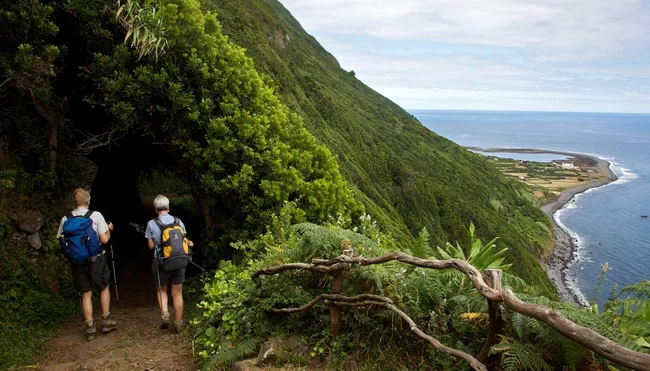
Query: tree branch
[(586, 337), (461, 265), (368, 300), (301, 266), (493, 278), (332, 297)]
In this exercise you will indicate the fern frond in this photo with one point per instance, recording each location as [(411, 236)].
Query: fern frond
[(523, 325), (516, 356), (231, 353), (320, 241)]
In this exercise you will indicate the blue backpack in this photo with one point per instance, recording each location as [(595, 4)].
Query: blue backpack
[(80, 241)]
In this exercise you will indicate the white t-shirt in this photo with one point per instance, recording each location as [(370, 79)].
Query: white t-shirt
[(99, 223)]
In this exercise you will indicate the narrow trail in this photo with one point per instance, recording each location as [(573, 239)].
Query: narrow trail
[(138, 343)]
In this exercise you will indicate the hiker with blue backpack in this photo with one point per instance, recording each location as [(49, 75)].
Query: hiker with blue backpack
[(81, 231), (166, 236)]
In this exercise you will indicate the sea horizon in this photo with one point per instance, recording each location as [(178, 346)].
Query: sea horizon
[(411, 110)]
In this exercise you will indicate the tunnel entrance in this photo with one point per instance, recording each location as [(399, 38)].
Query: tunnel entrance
[(128, 179)]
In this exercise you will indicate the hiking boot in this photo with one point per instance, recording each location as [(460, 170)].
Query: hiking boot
[(91, 332), (179, 326), (164, 325), (108, 323)]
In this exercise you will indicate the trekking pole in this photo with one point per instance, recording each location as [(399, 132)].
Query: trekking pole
[(81, 305), (192, 261), (117, 294), (196, 265), (159, 287)]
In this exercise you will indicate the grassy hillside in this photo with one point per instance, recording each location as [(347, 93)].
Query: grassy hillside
[(407, 176)]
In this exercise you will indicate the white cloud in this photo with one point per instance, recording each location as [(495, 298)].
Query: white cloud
[(547, 53), (594, 27)]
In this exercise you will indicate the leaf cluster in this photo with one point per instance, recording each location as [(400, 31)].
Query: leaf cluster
[(242, 149), (35, 294)]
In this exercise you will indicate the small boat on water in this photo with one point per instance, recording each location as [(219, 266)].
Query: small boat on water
[(644, 216)]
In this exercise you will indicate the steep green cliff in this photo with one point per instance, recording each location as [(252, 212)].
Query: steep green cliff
[(407, 176)]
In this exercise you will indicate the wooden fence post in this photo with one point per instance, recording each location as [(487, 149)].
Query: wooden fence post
[(337, 287), (493, 278)]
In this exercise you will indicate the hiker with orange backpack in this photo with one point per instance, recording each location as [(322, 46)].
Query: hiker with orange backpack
[(166, 235), (80, 233)]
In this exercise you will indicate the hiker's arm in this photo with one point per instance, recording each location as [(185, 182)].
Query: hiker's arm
[(59, 233), (189, 242), (150, 243), (104, 237)]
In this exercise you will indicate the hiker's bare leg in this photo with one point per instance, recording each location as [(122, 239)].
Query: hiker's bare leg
[(177, 295), (105, 300), (162, 299), (87, 305)]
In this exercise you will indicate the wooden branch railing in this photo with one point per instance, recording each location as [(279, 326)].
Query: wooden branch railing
[(365, 300), (493, 279), (493, 293)]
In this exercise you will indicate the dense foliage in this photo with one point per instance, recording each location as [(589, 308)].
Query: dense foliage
[(236, 316), (35, 296), (407, 177), (245, 151), (73, 84), (70, 82)]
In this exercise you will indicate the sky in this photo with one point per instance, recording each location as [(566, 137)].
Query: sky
[(545, 55)]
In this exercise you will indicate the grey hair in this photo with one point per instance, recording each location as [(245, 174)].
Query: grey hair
[(161, 203)]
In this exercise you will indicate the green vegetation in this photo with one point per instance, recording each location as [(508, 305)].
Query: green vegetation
[(287, 159), (70, 85), (36, 296), (228, 135), (236, 310), (247, 152), (407, 177)]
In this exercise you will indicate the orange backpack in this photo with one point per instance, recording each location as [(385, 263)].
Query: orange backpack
[(173, 252)]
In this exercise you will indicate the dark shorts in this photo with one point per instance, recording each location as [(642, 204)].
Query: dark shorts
[(85, 275), (176, 277)]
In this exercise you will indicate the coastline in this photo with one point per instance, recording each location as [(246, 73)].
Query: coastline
[(563, 249)]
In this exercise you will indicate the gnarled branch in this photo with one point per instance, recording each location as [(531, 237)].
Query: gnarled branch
[(333, 297), (301, 266), (368, 300), (493, 278), (586, 337)]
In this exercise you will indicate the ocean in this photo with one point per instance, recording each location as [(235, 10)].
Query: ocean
[(606, 223)]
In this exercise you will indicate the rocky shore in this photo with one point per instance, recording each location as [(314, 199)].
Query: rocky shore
[(563, 250), (564, 247)]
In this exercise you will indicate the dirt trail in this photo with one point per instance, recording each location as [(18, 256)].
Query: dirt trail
[(138, 343)]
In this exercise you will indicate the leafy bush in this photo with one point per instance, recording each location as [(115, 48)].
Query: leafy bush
[(236, 312), (629, 311), (243, 152), (33, 301), (236, 317)]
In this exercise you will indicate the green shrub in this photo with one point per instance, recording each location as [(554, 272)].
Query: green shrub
[(36, 296)]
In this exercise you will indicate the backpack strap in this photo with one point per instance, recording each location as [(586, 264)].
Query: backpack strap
[(159, 223), (161, 226), (88, 213)]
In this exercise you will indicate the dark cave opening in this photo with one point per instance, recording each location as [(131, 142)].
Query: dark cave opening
[(115, 194)]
